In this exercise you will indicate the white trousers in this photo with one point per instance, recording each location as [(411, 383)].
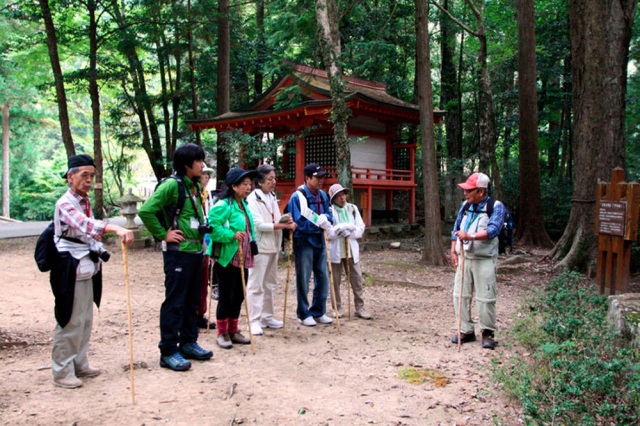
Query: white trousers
[(71, 343), (263, 278)]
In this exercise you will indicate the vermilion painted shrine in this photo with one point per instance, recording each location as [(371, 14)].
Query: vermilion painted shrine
[(381, 164)]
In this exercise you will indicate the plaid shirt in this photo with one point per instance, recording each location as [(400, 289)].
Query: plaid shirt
[(246, 248), (70, 217)]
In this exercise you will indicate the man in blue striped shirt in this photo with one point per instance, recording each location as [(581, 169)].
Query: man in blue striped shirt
[(475, 231)]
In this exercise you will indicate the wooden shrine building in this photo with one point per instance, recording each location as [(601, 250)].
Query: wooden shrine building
[(381, 162)]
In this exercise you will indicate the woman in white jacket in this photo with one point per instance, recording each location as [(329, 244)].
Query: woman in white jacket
[(348, 223), (263, 277)]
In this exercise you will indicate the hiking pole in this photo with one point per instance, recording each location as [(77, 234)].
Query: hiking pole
[(333, 290), (244, 291), (126, 282), (346, 243), (460, 296), (286, 287), (210, 266)]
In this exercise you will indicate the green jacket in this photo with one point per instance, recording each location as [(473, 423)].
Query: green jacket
[(166, 195), (224, 210)]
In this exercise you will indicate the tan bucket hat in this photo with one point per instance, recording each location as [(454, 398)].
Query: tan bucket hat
[(335, 189)]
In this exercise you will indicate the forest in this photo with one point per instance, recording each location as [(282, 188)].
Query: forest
[(541, 95)]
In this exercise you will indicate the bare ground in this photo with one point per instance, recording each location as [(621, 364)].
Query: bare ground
[(311, 376)]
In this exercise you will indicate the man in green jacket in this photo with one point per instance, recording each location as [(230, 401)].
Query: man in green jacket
[(181, 235)]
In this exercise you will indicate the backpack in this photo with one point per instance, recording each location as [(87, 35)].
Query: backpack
[(46, 253), (172, 212), (505, 236)]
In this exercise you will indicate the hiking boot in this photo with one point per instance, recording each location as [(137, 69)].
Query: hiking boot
[(68, 382), (271, 322), (340, 314), (175, 362), (466, 338), (88, 372), (224, 341), (256, 329), (487, 339), (308, 321), (324, 320), (363, 314), (195, 351), (238, 338), (202, 323)]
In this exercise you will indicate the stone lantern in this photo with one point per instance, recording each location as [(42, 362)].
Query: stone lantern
[(129, 209)]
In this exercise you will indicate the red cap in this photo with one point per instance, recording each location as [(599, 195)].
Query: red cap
[(476, 180)]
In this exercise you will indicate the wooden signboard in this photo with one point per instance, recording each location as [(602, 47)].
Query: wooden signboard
[(616, 226)]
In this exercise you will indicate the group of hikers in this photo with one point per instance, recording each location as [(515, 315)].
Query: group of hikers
[(236, 234)]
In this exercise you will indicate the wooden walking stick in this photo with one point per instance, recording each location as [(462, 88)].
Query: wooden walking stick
[(333, 290), (346, 243), (210, 293), (286, 287), (460, 295), (244, 291), (126, 282)]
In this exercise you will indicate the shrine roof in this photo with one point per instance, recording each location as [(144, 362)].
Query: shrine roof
[(316, 91)]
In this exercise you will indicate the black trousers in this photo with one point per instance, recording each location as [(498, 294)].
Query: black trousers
[(178, 320), (230, 295)]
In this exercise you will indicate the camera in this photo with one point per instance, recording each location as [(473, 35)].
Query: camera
[(98, 251), (204, 229)]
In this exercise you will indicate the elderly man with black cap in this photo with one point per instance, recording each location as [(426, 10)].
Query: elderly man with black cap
[(479, 222), (181, 230), (310, 210), (76, 280), (349, 227)]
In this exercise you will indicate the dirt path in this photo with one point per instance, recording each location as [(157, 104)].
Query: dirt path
[(308, 376)]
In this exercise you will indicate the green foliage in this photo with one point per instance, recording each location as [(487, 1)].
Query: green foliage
[(579, 371)]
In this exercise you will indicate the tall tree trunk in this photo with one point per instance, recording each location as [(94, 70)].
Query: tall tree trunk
[(600, 33), (449, 102), (6, 206), (531, 229), (433, 248), (486, 118), (95, 110), (192, 68), (261, 56), (61, 95), (328, 19), (224, 81)]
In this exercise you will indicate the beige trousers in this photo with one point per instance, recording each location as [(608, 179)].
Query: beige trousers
[(357, 283), (261, 285), (71, 343), (479, 276)]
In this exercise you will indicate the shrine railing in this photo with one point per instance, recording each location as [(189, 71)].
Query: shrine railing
[(377, 175)]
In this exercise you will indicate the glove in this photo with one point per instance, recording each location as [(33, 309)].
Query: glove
[(351, 227), (344, 232), (323, 222)]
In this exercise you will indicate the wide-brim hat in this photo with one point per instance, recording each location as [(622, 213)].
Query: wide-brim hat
[(335, 189), (237, 174), (207, 170), (78, 161), (476, 180)]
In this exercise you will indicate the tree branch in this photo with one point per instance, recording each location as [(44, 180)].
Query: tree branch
[(454, 19)]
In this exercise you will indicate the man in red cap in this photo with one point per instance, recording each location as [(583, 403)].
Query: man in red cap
[(475, 231)]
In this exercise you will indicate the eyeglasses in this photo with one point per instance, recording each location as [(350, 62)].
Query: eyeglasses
[(271, 179), (468, 191)]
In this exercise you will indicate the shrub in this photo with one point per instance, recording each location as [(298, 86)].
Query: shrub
[(578, 371)]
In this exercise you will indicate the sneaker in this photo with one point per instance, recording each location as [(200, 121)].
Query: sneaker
[(487, 340), (88, 372), (214, 292), (175, 362), (256, 329), (238, 338), (271, 322), (195, 351), (324, 320), (308, 321), (363, 314), (340, 314), (202, 323), (224, 341), (466, 338), (68, 382)]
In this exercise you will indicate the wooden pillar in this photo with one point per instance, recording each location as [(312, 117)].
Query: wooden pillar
[(299, 178), (367, 213), (412, 205)]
